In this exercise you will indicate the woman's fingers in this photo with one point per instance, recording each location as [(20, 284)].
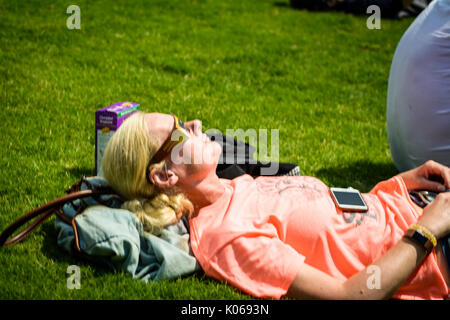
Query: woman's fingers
[(431, 176), (436, 170), (433, 186), (436, 216)]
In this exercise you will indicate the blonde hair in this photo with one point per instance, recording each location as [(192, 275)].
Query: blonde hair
[(124, 166)]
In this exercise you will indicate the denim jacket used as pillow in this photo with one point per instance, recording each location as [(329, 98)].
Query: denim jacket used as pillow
[(115, 237)]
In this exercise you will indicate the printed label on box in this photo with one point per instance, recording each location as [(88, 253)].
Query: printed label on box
[(107, 121)]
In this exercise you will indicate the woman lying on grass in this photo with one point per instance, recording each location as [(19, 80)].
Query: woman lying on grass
[(281, 236)]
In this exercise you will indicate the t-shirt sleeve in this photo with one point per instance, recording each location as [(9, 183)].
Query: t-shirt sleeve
[(261, 266), (394, 197), (394, 187)]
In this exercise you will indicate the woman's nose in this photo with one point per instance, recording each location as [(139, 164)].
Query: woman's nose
[(197, 127)]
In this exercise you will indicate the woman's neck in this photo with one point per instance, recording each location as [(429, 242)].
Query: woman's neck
[(204, 192)]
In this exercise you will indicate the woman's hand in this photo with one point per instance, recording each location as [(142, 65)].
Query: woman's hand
[(430, 176), (434, 177), (436, 216)]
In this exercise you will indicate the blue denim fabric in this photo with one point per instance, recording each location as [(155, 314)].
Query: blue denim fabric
[(115, 237)]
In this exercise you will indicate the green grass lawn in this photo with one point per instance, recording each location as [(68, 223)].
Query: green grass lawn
[(319, 78)]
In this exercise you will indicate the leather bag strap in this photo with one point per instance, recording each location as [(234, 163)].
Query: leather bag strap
[(42, 213)]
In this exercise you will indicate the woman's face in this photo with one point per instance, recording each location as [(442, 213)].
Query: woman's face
[(196, 157)]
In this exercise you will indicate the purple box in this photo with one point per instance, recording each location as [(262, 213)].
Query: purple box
[(107, 121)]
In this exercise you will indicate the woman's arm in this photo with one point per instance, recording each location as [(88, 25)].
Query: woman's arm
[(394, 267)]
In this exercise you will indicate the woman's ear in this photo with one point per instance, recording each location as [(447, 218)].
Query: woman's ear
[(163, 178)]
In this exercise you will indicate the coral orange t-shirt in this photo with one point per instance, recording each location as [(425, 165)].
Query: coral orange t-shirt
[(259, 233)]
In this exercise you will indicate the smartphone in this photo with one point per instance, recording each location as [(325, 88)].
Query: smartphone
[(348, 199)]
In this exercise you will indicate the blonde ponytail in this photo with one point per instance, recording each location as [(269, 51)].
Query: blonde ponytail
[(124, 166), (160, 211)]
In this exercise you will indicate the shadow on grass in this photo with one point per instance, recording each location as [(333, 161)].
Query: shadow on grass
[(362, 174), (282, 4), (80, 172)]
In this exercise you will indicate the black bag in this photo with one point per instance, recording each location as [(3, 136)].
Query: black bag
[(388, 8), (241, 160)]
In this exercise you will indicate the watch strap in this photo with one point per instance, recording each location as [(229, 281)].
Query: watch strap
[(422, 236)]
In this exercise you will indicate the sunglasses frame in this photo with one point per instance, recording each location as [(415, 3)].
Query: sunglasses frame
[(169, 144)]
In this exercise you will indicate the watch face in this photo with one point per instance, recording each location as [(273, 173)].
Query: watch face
[(419, 238)]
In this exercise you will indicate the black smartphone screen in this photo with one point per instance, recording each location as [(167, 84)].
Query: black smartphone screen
[(349, 198)]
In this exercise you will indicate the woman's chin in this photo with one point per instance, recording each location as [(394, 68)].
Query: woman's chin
[(217, 152), (212, 156)]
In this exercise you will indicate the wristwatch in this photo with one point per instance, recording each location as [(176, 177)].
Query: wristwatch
[(422, 236)]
